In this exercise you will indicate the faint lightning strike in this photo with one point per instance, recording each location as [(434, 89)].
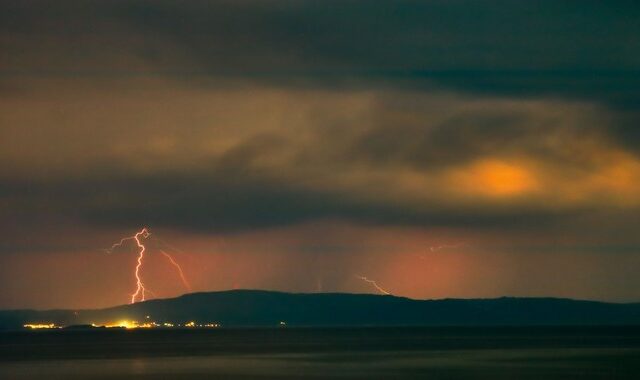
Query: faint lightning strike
[(119, 244), (166, 245), (178, 268), (436, 248), (375, 284), (446, 246)]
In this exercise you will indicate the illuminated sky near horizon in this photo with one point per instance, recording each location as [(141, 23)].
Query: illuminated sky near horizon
[(453, 148)]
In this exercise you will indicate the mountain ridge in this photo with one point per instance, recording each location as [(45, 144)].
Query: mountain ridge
[(246, 307)]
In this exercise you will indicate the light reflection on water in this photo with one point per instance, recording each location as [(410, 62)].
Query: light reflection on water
[(450, 364)]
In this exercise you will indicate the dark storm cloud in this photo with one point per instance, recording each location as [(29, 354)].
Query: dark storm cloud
[(220, 204), (587, 49), (555, 52), (581, 50), (458, 139), (409, 159)]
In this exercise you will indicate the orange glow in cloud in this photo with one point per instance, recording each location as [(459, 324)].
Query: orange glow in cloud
[(495, 178), (620, 178)]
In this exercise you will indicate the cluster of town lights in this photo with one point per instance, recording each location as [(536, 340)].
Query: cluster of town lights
[(152, 325), (130, 324), (41, 326)]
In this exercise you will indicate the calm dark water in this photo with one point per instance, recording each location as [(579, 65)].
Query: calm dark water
[(348, 353)]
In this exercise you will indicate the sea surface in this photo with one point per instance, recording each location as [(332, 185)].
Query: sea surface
[(324, 353)]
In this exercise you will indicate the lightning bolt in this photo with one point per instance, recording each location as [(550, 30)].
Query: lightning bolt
[(141, 289), (375, 284), (118, 244), (178, 268)]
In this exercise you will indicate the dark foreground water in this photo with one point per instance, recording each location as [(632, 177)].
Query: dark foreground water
[(363, 353)]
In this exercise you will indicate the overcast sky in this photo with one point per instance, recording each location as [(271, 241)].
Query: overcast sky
[(456, 148)]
